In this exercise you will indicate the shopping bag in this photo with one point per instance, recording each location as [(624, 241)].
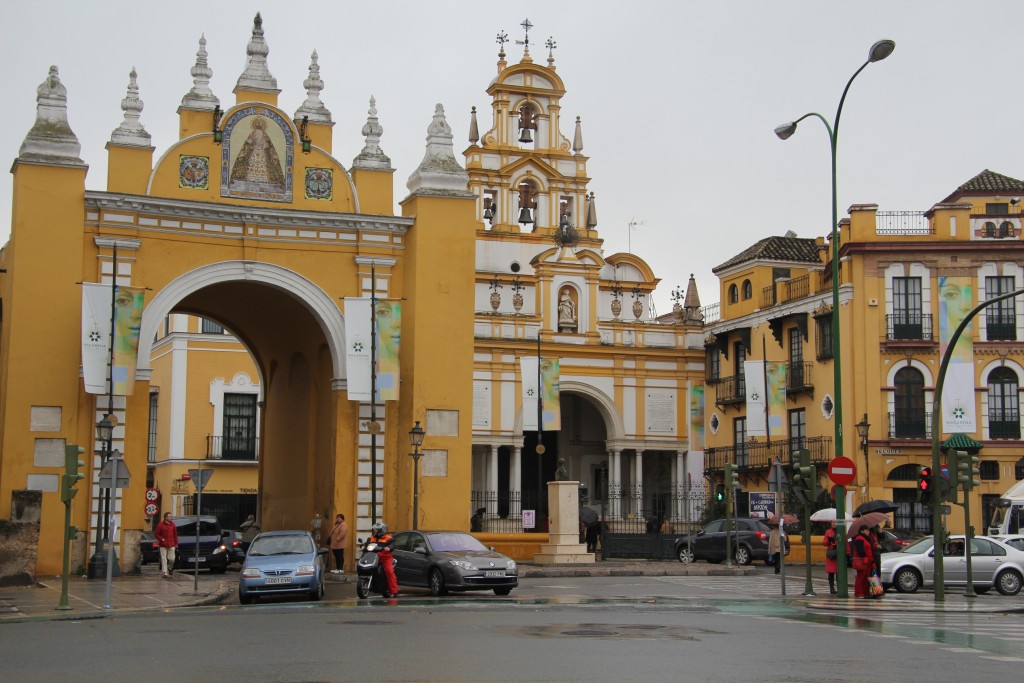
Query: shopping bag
[(876, 585)]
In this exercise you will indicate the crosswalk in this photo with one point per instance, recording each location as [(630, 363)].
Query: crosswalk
[(757, 585)]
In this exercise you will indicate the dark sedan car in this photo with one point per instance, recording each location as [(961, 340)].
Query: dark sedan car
[(451, 561), (233, 542), (149, 548), (749, 542), (894, 540)]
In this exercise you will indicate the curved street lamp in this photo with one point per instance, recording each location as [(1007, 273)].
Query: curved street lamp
[(879, 51)]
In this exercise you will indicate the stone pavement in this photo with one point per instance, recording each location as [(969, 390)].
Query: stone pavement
[(149, 592)]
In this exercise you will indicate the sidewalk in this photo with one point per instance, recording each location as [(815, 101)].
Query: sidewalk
[(86, 597)]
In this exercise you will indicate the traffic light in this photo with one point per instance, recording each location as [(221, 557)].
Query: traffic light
[(967, 468), (804, 482), (951, 483), (732, 477), (72, 476), (924, 485), (720, 492)]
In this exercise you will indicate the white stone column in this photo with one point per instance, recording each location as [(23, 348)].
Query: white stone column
[(614, 485), (638, 480), (492, 480), (515, 481), (678, 487)]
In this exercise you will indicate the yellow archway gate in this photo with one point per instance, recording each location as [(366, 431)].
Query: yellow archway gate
[(247, 220)]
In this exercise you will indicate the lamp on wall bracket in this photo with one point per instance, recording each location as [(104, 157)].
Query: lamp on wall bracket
[(307, 144), (218, 134)]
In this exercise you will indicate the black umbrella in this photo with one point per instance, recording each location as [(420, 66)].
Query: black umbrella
[(878, 505), (588, 515)]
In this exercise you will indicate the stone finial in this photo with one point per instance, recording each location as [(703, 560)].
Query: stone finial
[(200, 96), (691, 303), (372, 155), (51, 138), (131, 131), (577, 138), (591, 212), (257, 75), (474, 130), (313, 107), (439, 172)]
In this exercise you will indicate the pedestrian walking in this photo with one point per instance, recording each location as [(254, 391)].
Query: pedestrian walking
[(831, 544), (250, 529), (863, 562), (775, 547), (167, 535), (339, 537)]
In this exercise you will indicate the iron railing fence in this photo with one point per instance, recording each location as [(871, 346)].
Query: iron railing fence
[(232, 447)]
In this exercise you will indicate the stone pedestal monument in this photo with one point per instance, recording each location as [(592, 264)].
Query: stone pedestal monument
[(563, 546)]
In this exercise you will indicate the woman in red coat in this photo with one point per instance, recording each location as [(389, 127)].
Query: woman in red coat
[(831, 553), (863, 562)]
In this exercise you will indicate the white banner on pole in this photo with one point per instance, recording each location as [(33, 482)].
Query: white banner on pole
[(95, 336), (358, 348), (528, 369), (753, 376)]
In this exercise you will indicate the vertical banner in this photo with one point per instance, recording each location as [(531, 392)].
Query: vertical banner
[(697, 418), (128, 305), (753, 373), (357, 350), (955, 302), (528, 371), (776, 399), (389, 333), (551, 405), (95, 336)]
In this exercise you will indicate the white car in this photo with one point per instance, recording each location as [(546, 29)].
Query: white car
[(1014, 540), (993, 563)]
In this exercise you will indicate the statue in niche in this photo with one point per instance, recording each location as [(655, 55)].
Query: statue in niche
[(566, 312)]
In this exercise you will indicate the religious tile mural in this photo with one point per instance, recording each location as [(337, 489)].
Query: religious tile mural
[(193, 172), (257, 154), (319, 183)]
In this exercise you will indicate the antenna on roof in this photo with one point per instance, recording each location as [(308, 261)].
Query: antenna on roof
[(633, 225)]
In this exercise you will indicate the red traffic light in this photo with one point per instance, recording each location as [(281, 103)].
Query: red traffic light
[(925, 479)]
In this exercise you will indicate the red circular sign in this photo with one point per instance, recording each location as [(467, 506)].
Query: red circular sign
[(151, 509), (842, 470)]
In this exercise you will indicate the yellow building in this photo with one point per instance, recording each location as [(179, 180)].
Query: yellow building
[(250, 223), (907, 279)]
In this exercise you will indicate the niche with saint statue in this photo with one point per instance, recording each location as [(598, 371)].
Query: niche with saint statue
[(568, 320)]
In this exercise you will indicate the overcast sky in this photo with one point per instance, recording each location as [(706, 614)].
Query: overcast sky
[(678, 98)]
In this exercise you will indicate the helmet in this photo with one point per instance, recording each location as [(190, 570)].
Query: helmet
[(379, 529)]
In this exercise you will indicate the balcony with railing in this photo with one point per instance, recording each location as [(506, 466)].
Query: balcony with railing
[(798, 378), (758, 456), (1004, 424), (908, 326), (910, 425), (232, 448), (902, 223), (786, 290), (1001, 325), (731, 390)]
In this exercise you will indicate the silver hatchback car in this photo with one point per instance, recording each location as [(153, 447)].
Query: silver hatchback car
[(993, 564)]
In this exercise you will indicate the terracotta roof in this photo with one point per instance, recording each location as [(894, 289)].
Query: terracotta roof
[(988, 182), (799, 249)]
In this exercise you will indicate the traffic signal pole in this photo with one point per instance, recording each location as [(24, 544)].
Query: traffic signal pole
[(68, 491)]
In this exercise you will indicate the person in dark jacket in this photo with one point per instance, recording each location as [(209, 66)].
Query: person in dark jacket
[(167, 535), (831, 544)]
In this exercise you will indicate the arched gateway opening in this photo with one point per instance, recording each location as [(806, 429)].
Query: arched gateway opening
[(295, 335)]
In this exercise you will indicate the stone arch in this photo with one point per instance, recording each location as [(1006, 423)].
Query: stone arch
[(614, 425), (316, 301)]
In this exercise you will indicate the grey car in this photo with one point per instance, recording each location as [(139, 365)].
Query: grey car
[(451, 561), (749, 542), (993, 564)]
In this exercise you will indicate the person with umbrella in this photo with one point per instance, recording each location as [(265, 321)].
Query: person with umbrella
[(863, 558), (592, 527), (831, 553)]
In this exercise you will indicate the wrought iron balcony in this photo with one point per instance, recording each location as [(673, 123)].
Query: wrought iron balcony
[(1001, 327), (759, 456), (798, 378), (910, 425), (1004, 424), (910, 325), (786, 290), (731, 390), (232, 448)]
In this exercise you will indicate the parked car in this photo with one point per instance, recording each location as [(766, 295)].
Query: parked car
[(149, 548), (451, 561), (993, 563), (213, 553), (282, 563), (1014, 541), (894, 540), (749, 542), (233, 541)]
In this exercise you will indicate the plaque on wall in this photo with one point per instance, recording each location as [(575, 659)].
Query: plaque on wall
[(661, 411), (434, 464), (482, 405)]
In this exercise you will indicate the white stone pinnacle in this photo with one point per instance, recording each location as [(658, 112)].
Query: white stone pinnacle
[(51, 138), (131, 131), (372, 155), (200, 96), (313, 107), (257, 74)]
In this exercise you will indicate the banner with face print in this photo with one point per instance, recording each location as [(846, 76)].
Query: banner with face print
[(128, 305), (551, 405), (956, 299), (389, 334)]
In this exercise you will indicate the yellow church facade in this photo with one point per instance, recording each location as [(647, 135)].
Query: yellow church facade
[(248, 222)]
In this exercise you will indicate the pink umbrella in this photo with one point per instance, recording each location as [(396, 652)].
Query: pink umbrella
[(866, 520), (786, 519)]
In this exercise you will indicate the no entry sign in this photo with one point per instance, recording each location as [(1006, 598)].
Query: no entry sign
[(842, 471)]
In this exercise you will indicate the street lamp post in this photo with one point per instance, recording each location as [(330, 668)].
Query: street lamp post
[(863, 427), (879, 51), (97, 563), (416, 435)]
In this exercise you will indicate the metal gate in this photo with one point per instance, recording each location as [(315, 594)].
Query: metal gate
[(635, 527)]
